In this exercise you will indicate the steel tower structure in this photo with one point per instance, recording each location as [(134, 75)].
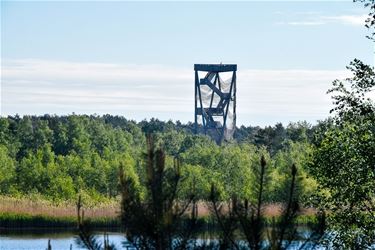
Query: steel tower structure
[(215, 100)]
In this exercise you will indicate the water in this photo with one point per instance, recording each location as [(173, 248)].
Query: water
[(39, 241)]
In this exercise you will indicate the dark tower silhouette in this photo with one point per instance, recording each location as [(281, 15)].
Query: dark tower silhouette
[(215, 100)]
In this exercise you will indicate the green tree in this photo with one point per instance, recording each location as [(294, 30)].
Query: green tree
[(35, 171), (7, 171), (25, 136), (344, 159), (60, 137), (78, 138), (42, 134), (4, 131), (294, 153)]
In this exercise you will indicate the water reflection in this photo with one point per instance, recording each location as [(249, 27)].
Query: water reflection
[(38, 239)]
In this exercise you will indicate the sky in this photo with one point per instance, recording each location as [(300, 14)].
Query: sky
[(136, 59)]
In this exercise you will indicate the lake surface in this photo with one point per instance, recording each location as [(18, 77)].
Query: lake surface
[(59, 240), (39, 241)]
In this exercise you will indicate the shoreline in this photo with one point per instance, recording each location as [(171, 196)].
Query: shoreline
[(14, 221)]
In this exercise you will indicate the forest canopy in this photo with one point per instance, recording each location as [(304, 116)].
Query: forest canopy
[(57, 157)]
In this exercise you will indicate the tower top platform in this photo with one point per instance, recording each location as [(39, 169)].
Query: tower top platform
[(215, 67)]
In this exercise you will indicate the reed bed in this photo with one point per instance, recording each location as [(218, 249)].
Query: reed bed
[(25, 212), (29, 212), (109, 209), (62, 209)]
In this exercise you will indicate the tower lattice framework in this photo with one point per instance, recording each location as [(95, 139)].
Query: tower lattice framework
[(215, 100)]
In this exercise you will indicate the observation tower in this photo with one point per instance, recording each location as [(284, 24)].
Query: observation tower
[(215, 100)]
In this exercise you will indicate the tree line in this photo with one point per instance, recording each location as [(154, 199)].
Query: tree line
[(59, 156)]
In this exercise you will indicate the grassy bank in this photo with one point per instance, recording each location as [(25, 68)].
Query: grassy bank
[(16, 220), (41, 213)]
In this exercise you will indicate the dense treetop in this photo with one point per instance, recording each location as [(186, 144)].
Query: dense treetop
[(59, 156)]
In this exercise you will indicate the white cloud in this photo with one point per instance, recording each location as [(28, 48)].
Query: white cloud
[(61, 70), (356, 20), (305, 23), (347, 19), (142, 91)]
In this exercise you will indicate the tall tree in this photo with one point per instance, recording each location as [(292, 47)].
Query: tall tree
[(344, 158), (343, 161)]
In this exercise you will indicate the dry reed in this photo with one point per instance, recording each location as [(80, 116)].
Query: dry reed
[(47, 208)]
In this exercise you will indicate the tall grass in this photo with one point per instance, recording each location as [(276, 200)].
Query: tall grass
[(13, 220), (62, 209), (36, 212), (25, 212)]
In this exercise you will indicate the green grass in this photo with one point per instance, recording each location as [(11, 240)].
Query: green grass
[(301, 220), (11, 220), (16, 220)]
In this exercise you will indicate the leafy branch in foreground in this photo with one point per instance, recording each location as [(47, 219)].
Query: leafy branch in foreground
[(86, 238), (370, 21), (158, 220), (351, 98), (238, 217), (285, 231)]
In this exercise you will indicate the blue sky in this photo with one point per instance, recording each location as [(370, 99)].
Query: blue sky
[(136, 58)]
